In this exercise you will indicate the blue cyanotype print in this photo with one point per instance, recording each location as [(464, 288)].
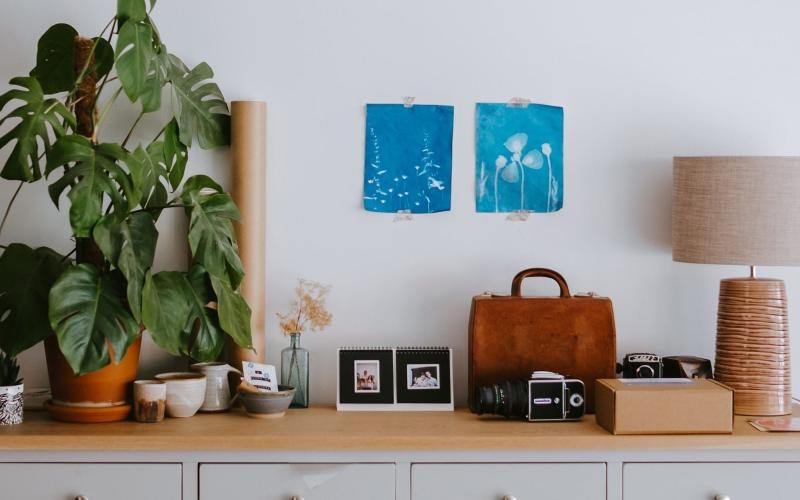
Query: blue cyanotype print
[(408, 158), (519, 158)]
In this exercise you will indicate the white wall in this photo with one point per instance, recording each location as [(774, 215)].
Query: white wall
[(640, 82)]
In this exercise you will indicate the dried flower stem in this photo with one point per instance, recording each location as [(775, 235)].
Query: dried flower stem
[(308, 310)]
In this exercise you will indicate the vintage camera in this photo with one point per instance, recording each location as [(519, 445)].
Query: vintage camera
[(544, 397), (641, 365), (687, 367)]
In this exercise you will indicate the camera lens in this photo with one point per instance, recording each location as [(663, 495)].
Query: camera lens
[(645, 371), (509, 398)]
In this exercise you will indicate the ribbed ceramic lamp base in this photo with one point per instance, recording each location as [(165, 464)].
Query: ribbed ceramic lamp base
[(753, 345)]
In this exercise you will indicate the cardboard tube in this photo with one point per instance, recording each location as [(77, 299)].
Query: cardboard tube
[(249, 153)]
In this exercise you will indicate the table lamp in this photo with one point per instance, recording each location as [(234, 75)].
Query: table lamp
[(743, 210)]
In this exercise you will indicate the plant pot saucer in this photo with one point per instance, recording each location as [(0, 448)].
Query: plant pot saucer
[(84, 415)]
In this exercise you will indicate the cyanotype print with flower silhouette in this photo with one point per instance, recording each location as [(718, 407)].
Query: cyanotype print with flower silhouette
[(519, 158), (408, 158)]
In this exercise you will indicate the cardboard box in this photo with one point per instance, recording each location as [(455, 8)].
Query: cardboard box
[(671, 406)]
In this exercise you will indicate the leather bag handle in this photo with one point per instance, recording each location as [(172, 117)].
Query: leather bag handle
[(539, 272)]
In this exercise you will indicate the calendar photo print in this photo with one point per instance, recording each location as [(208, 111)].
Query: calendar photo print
[(423, 376), (366, 377)]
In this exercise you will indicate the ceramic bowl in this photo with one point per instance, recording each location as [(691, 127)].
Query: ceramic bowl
[(186, 392), (267, 404)]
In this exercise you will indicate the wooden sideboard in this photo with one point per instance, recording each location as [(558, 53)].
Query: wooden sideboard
[(318, 453)]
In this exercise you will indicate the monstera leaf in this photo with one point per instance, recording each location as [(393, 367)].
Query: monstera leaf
[(211, 236), (147, 173), (26, 276), (199, 106), (166, 303), (176, 309), (155, 79), (175, 154), (91, 174), (103, 57), (130, 246), (87, 311), (134, 56), (40, 119), (135, 10), (158, 168), (234, 313), (55, 59)]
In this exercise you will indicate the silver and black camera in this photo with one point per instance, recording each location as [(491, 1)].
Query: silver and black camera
[(544, 397), (641, 365)]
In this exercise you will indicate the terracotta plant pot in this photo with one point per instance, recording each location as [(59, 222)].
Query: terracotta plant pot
[(100, 396)]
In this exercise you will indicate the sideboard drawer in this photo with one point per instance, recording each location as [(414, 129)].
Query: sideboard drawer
[(586, 481), (65, 481), (306, 481), (707, 481)]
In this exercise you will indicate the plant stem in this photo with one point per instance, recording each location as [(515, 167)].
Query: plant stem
[(107, 107), (87, 64), (160, 132), (521, 186), (549, 182), (8, 207), (496, 178), (130, 132), (69, 254), (89, 59), (106, 79), (112, 21), (292, 365), (299, 313)]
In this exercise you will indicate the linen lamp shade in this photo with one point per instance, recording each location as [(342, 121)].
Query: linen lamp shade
[(743, 210), (736, 210)]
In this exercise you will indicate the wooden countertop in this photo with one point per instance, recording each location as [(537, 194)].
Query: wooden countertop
[(325, 429)]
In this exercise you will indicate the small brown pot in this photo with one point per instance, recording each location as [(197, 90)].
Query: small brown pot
[(103, 390)]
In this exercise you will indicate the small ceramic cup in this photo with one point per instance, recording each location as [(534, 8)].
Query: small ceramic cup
[(11, 404), (149, 400), (185, 392), (218, 392)]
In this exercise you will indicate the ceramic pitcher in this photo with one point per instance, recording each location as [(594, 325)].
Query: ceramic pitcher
[(218, 392)]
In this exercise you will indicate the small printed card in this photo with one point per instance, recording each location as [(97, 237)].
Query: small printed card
[(780, 424), (262, 377)]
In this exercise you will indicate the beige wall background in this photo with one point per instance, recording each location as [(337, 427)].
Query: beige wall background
[(640, 82)]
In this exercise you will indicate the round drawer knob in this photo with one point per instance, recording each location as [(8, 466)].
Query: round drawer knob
[(722, 497), (509, 497)]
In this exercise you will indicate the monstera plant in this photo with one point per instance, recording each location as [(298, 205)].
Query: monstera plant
[(99, 298)]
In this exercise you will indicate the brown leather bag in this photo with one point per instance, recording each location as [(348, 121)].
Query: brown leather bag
[(511, 336)]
